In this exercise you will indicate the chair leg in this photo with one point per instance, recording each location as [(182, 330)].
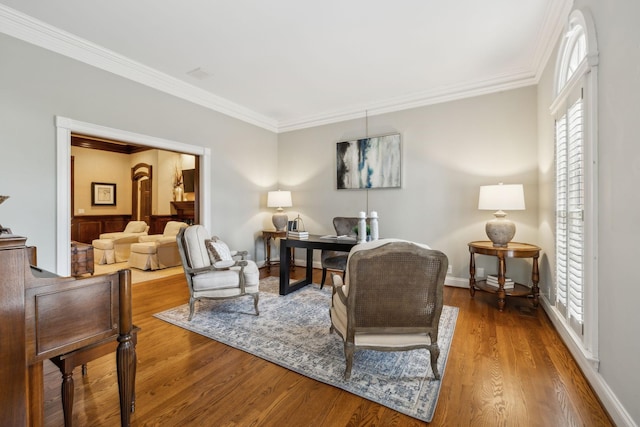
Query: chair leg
[(255, 303), (192, 302), (324, 276), (434, 351), (348, 355)]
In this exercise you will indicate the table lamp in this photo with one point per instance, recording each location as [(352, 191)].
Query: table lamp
[(498, 197), (279, 199)]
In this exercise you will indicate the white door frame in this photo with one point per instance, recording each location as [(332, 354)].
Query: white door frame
[(64, 127)]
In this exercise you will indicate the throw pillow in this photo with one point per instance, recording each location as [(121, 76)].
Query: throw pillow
[(218, 251)]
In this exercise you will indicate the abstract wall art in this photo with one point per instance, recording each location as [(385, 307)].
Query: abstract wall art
[(369, 163)]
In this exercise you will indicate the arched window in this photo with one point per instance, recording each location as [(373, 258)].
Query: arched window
[(575, 112)]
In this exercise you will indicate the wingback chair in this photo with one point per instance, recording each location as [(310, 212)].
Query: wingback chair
[(212, 270), (390, 300), (337, 260)]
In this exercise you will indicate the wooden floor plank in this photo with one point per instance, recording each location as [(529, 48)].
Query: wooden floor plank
[(508, 368)]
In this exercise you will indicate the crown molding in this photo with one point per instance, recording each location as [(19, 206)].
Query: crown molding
[(31, 30), (36, 32), (415, 100)]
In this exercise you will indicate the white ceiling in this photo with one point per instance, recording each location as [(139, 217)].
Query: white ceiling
[(289, 64)]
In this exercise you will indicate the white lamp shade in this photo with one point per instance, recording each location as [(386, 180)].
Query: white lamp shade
[(279, 199), (501, 197)]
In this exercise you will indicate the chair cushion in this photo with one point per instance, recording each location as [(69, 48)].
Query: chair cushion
[(173, 227), (102, 244), (135, 227), (144, 248), (218, 250)]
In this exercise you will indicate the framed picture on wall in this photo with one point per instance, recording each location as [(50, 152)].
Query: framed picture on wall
[(368, 163), (103, 194)]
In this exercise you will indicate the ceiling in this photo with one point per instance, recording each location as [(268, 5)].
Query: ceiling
[(290, 64)]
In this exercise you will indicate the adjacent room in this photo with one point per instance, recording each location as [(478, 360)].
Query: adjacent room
[(340, 213)]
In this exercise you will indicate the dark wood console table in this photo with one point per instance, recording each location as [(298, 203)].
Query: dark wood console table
[(267, 236), (313, 242), (513, 250)]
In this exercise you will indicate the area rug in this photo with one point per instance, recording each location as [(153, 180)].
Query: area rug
[(293, 331)]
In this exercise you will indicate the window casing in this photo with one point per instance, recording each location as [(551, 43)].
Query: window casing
[(574, 109)]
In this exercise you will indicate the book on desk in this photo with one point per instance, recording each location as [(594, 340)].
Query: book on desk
[(298, 234)]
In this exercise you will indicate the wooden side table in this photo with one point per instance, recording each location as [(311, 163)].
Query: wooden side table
[(513, 250), (81, 259), (267, 235)]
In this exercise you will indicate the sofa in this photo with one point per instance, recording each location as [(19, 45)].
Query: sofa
[(115, 247)]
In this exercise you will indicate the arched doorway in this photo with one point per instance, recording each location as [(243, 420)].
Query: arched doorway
[(141, 192)]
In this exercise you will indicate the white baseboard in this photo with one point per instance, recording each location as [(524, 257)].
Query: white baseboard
[(589, 368)]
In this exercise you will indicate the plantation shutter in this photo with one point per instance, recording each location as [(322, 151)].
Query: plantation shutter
[(570, 214)]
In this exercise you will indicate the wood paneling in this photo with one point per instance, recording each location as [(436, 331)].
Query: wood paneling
[(86, 228)]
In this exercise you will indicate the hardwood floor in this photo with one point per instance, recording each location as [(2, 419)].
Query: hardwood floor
[(508, 369)]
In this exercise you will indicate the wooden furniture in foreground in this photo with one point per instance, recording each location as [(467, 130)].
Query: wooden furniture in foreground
[(513, 250), (81, 259), (43, 316), (311, 243), (267, 236)]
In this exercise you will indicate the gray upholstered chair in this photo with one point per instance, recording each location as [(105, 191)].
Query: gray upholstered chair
[(390, 300), (212, 270), (337, 260)]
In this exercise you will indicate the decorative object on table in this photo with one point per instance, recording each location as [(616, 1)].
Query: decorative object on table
[(4, 230), (492, 280), (369, 163), (362, 227), (307, 347), (498, 197), (178, 190), (279, 199), (373, 221), (103, 194), (297, 229)]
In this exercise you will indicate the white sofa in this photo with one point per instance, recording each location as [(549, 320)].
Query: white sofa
[(115, 247)]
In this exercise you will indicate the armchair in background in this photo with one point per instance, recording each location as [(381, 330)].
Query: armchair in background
[(212, 270), (337, 260), (156, 251), (116, 247), (391, 299)]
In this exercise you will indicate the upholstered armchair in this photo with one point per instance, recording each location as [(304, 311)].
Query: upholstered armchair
[(212, 270), (390, 299), (156, 251), (337, 260), (115, 247)]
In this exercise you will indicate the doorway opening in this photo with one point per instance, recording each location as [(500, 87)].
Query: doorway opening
[(66, 127)]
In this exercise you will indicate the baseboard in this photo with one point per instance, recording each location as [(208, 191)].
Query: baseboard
[(616, 410)]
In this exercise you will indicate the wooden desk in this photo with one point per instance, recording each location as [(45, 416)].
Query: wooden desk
[(313, 242), (267, 235), (513, 250)]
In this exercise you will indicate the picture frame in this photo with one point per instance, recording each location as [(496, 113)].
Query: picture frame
[(103, 194), (369, 163)]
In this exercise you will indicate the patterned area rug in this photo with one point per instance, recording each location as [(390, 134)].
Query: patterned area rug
[(293, 331)]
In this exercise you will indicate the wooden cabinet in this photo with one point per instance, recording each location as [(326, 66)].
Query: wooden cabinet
[(81, 259)]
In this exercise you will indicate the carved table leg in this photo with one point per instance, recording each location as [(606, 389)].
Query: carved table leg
[(502, 295), (267, 249), (472, 275), (535, 278)]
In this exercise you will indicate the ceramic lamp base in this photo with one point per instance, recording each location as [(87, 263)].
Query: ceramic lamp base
[(500, 231), (279, 220)]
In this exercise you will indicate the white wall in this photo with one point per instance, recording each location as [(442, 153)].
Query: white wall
[(448, 151), (36, 85)]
